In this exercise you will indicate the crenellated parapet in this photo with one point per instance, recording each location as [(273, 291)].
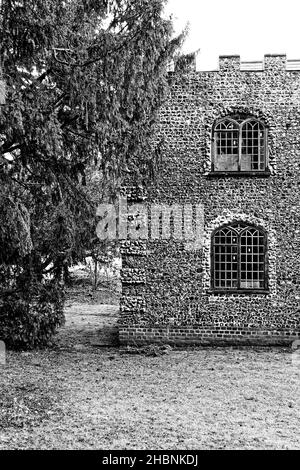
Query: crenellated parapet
[(233, 63)]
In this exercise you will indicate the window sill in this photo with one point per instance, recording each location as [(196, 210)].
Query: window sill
[(238, 292), (243, 174)]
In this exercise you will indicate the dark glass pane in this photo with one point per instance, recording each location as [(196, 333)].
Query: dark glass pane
[(253, 149), (252, 272)]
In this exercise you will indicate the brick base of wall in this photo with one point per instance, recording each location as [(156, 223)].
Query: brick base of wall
[(136, 335)]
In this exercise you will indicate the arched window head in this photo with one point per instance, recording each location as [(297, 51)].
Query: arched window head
[(239, 258), (239, 145)]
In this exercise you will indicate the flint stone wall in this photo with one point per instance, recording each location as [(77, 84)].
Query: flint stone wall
[(166, 288)]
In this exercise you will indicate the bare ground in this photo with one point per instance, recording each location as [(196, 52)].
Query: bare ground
[(78, 396)]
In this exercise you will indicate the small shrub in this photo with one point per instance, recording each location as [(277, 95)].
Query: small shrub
[(27, 322)]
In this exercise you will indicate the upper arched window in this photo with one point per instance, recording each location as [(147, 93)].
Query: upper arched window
[(239, 145)]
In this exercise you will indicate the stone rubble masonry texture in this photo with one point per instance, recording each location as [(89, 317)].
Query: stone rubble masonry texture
[(166, 293), (2, 87)]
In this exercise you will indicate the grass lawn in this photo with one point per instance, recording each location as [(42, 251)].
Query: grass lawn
[(189, 399), (78, 396)]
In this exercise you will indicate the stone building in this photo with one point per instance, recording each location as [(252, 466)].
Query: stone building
[(231, 147)]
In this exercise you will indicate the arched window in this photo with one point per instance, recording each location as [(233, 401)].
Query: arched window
[(239, 258), (239, 145)]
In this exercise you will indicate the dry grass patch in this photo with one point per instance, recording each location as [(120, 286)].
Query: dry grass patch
[(193, 399)]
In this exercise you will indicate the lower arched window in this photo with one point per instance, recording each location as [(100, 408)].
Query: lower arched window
[(239, 258)]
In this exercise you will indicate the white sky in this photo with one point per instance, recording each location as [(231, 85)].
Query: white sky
[(249, 28)]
